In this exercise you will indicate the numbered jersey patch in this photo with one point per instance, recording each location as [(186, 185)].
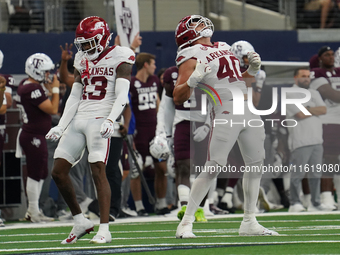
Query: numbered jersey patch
[(144, 99)]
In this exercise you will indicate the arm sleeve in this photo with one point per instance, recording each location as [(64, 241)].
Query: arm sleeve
[(122, 90), (169, 112), (71, 105), (160, 128)]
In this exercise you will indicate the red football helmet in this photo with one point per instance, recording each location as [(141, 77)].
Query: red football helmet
[(94, 31), (186, 30)]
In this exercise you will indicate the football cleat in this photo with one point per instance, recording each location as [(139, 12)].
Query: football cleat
[(79, 231), (253, 228), (217, 211), (37, 217), (199, 215), (181, 212), (102, 239), (184, 229)]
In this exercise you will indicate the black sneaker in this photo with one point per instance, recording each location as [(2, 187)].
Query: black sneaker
[(112, 218), (224, 206), (142, 213), (162, 211), (217, 211)]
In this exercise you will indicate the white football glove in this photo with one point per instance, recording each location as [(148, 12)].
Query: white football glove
[(55, 133), (260, 78), (201, 70), (170, 141), (201, 133), (107, 129), (254, 63)]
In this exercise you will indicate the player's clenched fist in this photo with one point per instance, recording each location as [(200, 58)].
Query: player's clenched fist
[(254, 63), (55, 133), (107, 129), (201, 70)]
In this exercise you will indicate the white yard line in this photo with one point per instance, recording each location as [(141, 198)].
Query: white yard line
[(166, 244)]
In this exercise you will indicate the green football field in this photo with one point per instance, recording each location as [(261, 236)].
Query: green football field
[(299, 234)]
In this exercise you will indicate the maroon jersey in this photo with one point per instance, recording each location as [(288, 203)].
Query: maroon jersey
[(29, 97), (144, 100), (170, 77)]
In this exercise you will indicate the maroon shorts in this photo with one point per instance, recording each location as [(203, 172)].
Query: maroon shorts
[(35, 149), (331, 139), (185, 147)]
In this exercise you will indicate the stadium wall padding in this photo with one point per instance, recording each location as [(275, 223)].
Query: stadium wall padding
[(272, 46)]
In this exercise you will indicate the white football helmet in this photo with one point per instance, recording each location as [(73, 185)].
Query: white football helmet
[(159, 148), (37, 65), (337, 58), (1, 58), (241, 49)]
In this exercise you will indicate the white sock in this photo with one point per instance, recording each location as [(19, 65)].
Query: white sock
[(160, 203), (211, 191), (228, 195), (183, 193), (33, 194), (326, 197), (103, 228), (139, 205), (251, 186), (78, 218), (200, 188)]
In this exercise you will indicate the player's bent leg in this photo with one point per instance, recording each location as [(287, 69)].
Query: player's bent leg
[(251, 185)]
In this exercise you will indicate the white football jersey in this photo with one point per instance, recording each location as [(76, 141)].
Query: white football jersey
[(225, 68), (98, 78)]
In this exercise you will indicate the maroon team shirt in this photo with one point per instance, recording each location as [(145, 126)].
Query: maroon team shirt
[(9, 83), (35, 121), (144, 100)]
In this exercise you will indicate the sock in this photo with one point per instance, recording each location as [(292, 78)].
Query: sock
[(78, 218), (160, 203), (183, 193), (103, 228), (228, 195), (200, 188), (211, 191), (33, 194), (251, 186), (139, 205)]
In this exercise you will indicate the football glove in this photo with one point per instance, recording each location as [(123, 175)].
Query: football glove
[(55, 133), (201, 70), (107, 129), (201, 133), (254, 63)]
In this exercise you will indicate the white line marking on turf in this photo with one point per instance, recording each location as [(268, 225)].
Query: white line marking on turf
[(162, 237), (167, 244)]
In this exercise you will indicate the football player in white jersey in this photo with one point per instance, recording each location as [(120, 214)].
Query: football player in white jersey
[(98, 96), (201, 62)]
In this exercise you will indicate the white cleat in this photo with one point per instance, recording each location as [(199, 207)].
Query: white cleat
[(102, 239), (38, 217), (253, 228), (184, 231), (79, 231)]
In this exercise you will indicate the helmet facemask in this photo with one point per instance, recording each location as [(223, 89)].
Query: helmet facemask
[(95, 47), (190, 30)]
